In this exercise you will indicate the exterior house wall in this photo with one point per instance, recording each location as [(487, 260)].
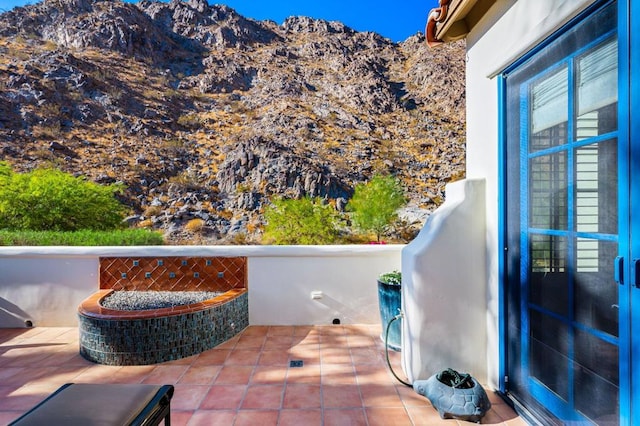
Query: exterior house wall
[(509, 30), (46, 284)]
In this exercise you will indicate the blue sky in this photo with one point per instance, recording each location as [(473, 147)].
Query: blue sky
[(395, 20)]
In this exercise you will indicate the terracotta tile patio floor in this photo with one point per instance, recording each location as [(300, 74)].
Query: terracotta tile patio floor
[(248, 380)]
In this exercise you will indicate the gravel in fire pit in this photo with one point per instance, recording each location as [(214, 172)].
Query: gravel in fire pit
[(141, 300)]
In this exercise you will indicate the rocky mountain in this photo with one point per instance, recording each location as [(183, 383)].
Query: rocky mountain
[(204, 113)]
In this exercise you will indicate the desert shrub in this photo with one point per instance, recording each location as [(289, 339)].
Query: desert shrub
[(194, 225), (147, 223), (49, 45), (300, 222), (51, 200), (185, 181), (374, 204), (191, 121), (239, 239), (243, 187), (152, 211)]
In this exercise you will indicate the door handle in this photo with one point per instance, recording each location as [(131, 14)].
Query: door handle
[(635, 273), (618, 271)]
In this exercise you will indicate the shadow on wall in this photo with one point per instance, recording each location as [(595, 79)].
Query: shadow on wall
[(339, 313), (12, 316)]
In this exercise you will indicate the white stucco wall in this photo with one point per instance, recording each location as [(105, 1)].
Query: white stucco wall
[(443, 288), (45, 285), (43, 289), (281, 282), (509, 30)]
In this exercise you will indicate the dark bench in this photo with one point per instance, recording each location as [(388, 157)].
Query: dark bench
[(81, 404)]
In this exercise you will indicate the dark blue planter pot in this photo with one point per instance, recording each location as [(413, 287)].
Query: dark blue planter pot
[(389, 302)]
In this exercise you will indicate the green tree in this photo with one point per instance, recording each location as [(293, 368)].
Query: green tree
[(304, 222), (48, 199), (374, 204)]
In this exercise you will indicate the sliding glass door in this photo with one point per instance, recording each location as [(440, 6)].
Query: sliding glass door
[(567, 225)]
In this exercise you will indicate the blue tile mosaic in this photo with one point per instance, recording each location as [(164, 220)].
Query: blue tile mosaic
[(155, 340)]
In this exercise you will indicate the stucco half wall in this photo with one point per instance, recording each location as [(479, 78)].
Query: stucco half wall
[(45, 285), (444, 288)]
